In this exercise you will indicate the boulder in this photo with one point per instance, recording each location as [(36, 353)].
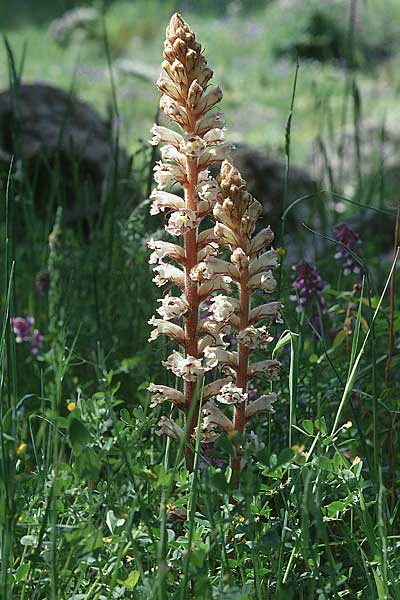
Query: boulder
[(65, 148)]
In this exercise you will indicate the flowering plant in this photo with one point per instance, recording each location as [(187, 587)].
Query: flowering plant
[(194, 266)]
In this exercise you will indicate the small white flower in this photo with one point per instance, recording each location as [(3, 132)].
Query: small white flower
[(240, 259), (263, 281), (215, 417), (270, 368), (169, 152), (223, 307), (261, 405), (212, 389), (268, 260), (163, 200), (166, 273), (192, 145), (214, 136), (162, 393), (170, 429), (262, 239), (163, 249), (219, 356), (230, 394), (214, 154), (172, 307), (166, 174), (270, 311), (163, 135), (213, 285), (200, 272), (210, 250), (181, 221), (163, 327), (208, 122), (254, 337), (187, 367)]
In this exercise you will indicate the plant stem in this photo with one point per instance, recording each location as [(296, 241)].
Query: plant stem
[(192, 297), (239, 419)]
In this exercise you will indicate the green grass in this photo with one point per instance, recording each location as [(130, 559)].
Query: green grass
[(89, 494)]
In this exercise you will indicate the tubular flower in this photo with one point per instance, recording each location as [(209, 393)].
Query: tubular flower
[(191, 142), (250, 269)]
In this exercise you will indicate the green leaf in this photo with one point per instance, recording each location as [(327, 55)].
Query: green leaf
[(131, 581), (335, 507), (308, 426), (22, 572), (78, 434), (285, 456)]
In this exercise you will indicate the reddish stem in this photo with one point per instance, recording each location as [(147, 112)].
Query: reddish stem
[(192, 297), (239, 419)]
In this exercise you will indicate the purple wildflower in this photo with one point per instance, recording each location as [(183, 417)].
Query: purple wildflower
[(36, 341), (23, 332), (350, 240), (309, 285), (22, 328), (42, 282)]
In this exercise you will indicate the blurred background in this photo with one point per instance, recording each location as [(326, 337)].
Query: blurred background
[(310, 101)]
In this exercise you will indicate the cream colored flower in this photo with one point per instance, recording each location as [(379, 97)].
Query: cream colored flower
[(164, 135), (192, 145), (267, 261), (215, 417), (262, 281), (223, 307), (172, 307), (263, 238), (209, 122), (189, 367), (163, 249), (269, 311), (162, 393), (240, 259), (216, 284), (166, 174), (214, 136), (270, 368), (212, 389), (174, 111), (230, 394), (170, 429), (254, 337), (219, 356), (263, 404), (166, 273), (163, 327), (163, 200), (181, 221)]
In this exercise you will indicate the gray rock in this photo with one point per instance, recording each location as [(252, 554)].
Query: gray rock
[(54, 134)]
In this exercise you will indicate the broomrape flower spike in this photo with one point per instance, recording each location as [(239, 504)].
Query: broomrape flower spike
[(194, 141), (250, 268)]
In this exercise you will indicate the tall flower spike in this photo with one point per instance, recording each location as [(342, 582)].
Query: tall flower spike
[(250, 268), (187, 102)]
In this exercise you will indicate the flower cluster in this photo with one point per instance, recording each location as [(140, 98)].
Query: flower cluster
[(349, 242), (187, 153), (250, 268), (207, 313), (308, 286), (24, 332)]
